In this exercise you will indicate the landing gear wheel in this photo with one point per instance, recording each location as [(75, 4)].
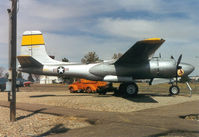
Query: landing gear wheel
[(71, 90), (128, 89), (88, 90), (174, 90), (120, 90), (131, 90)]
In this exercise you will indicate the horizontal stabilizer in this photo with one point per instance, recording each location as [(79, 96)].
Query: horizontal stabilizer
[(28, 61)]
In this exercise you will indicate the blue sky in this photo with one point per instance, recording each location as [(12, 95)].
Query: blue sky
[(74, 27)]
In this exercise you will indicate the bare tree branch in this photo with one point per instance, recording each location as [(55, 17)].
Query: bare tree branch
[(117, 55), (90, 57)]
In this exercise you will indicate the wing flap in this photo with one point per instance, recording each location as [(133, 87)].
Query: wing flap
[(141, 51)]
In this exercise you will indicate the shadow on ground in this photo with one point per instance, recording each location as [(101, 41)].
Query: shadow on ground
[(142, 98), (180, 133), (58, 129), (51, 95), (29, 115), (156, 94)]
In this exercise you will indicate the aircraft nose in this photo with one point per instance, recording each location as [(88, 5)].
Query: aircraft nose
[(188, 69)]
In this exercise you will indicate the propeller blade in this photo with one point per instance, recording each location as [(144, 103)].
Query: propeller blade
[(179, 60)]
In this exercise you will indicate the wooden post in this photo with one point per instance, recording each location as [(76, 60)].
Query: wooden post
[(12, 57)]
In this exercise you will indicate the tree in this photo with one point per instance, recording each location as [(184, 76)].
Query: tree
[(90, 57), (2, 71), (117, 55), (65, 60)]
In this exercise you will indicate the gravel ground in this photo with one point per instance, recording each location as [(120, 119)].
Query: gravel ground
[(36, 124), (97, 102)]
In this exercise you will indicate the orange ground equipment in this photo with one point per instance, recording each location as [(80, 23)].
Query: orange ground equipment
[(83, 85)]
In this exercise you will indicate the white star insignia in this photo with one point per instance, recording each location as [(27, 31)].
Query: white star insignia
[(60, 70)]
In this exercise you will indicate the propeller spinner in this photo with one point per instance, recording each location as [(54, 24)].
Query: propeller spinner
[(179, 70)]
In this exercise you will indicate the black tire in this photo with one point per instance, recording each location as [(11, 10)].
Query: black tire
[(128, 89), (131, 90), (120, 90), (72, 90), (174, 90), (89, 90)]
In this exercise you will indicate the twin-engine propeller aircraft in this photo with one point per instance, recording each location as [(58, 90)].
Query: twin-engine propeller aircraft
[(137, 63)]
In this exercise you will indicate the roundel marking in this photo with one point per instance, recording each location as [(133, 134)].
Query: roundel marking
[(60, 70)]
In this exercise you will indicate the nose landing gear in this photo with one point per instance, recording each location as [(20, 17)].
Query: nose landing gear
[(174, 90)]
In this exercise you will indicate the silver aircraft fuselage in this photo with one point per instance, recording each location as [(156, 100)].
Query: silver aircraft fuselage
[(107, 71), (136, 63)]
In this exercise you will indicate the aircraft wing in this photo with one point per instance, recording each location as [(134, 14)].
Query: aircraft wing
[(28, 61), (141, 51)]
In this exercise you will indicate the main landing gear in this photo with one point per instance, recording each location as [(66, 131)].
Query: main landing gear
[(127, 90), (131, 90)]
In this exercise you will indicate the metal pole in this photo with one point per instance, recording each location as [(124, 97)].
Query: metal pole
[(12, 57)]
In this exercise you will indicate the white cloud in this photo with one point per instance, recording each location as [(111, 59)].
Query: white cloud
[(142, 5), (101, 28), (65, 9), (175, 30)]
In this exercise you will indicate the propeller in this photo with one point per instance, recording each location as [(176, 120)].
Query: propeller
[(179, 60), (178, 67)]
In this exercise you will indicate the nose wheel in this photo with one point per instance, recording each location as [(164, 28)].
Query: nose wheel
[(174, 90)]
